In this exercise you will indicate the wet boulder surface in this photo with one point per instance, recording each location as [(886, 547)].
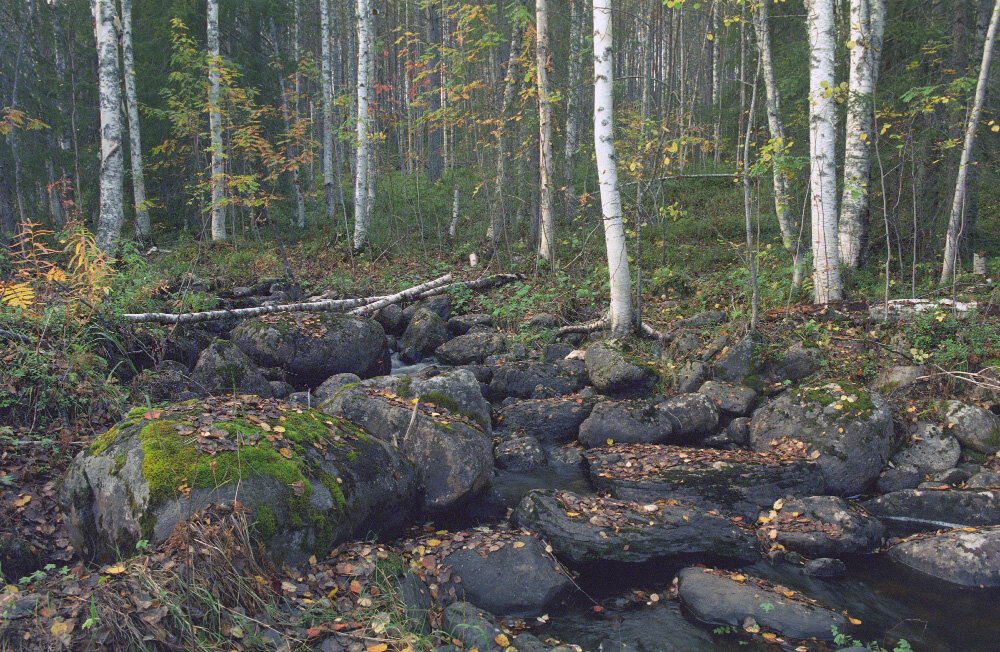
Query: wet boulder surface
[(931, 509), (310, 480), (966, 557), (820, 526), (549, 420), (730, 599), (523, 378), (731, 482), (584, 529), (847, 429), (312, 346)]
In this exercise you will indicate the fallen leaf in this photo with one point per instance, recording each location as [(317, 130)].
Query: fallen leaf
[(278, 429), (381, 647), (286, 452), (356, 587), (501, 640), (115, 570), (854, 621), (518, 544)]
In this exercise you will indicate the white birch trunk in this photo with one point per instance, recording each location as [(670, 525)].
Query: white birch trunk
[(822, 147), (453, 225), (867, 23), (782, 203), (366, 28), (607, 170), (956, 221), (215, 124), (142, 225), (546, 244), (327, 86), (112, 214)]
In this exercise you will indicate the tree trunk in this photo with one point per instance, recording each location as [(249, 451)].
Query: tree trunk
[(218, 208), (327, 84), (822, 148), (300, 201), (956, 221), (546, 235), (867, 24), (434, 164), (607, 170), (573, 107), (366, 30), (112, 215), (142, 226), (499, 217), (782, 203)]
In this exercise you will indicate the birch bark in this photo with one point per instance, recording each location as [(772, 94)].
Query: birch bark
[(112, 215), (546, 244), (327, 86), (956, 221), (366, 29), (573, 107), (822, 162), (142, 225), (218, 207), (607, 170), (867, 25)]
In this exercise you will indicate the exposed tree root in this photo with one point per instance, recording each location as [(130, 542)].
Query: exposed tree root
[(605, 322)]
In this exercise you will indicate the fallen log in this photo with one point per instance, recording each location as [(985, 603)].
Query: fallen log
[(408, 293), (308, 306), (489, 281)]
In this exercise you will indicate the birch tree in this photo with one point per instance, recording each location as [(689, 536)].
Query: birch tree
[(218, 208), (546, 235), (607, 171), (822, 162), (865, 43), (327, 86), (112, 214), (782, 203), (142, 225), (956, 220), (572, 106), (366, 33)]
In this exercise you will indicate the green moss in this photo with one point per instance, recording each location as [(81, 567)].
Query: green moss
[(136, 413), (826, 396), (441, 400), (119, 463), (265, 523), (102, 441), (403, 387)]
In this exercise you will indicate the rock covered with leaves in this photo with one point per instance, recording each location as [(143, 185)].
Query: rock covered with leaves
[(312, 346), (310, 479), (847, 429), (611, 372), (586, 529), (820, 526)]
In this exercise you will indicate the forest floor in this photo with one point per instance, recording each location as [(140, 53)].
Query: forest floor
[(208, 587)]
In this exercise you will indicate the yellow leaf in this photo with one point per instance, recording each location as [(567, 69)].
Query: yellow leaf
[(768, 636), (286, 452), (118, 569), (17, 295), (519, 544), (572, 514), (710, 36), (995, 128), (278, 429), (501, 640), (610, 441), (59, 628), (434, 543), (381, 647), (854, 621)]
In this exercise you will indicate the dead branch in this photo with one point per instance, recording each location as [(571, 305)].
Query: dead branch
[(243, 313), (414, 291)]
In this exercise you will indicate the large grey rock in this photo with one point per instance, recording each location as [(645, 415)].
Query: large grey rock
[(706, 318), (919, 509), (691, 415), (622, 531), (461, 324), (311, 481), (164, 382), (691, 376), (630, 421), (731, 482), (932, 450), (718, 600), (611, 373), (472, 348), (795, 363), (743, 363), (425, 333), (454, 456), (521, 378), (551, 419), (224, 369), (898, 478), (898, 377), (958, 557), (457, 390), (731, 400), (521, 580), (519, 453), (476, 628), (850, 427), (330, 386), (984, 480), (973, 426), (312, 346), (821, 526)]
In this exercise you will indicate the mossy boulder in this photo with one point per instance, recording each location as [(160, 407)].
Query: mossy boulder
[(312, 346), (528, 379), (450, 439), (223, 369), (310, 480), (975, 427), (611, 372), (425, 333), (629, 421), (964, 557), (847, 429)]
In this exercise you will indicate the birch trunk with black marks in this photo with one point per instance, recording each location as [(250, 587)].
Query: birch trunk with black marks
[(956, 220), (143, 228), (827, 285), (366, 31), (218, 207), (865, 43), (782, 194), (327, 85), (621, 314), (546, 235), (112, 214)]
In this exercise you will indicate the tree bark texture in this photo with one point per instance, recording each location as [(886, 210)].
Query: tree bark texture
[(218, 206), (112, 215), (546, 235), (366, 32), (142, 225), (326, 55)]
